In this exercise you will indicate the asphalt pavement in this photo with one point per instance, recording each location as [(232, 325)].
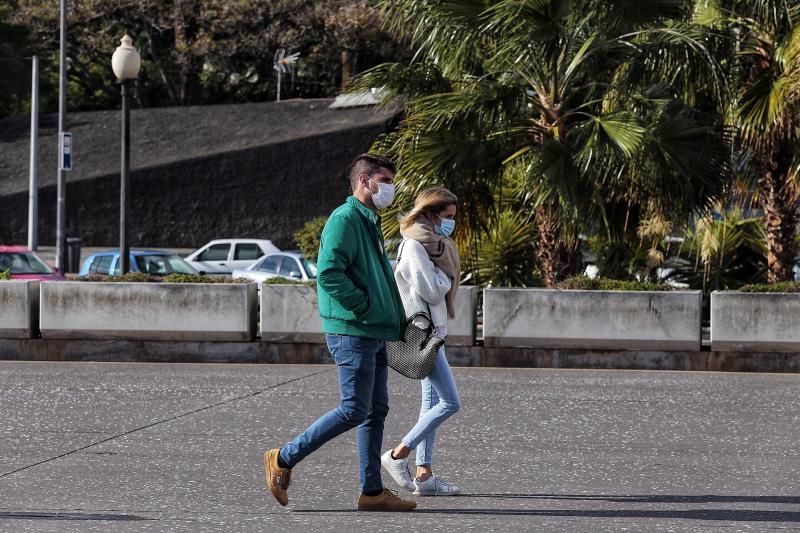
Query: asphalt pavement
[(107, 447)]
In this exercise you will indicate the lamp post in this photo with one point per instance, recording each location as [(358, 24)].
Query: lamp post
[(126, 64)]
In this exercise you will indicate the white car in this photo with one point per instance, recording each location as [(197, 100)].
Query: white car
[(223, 256), (290, 265)]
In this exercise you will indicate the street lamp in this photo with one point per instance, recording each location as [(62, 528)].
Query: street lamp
[(126, 64)]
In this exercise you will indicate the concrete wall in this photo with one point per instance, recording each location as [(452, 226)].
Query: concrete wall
[(551, 318), (148, 311), (289, 313), (19, 309), (761, 322), (461, 329)]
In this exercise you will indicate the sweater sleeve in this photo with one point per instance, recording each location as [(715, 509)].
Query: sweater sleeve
[(336, 253), (427, 280)]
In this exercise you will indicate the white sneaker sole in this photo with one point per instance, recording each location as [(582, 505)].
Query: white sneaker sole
[(434, 493)]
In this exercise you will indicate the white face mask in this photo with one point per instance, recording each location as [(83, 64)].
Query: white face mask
[(383, 198)]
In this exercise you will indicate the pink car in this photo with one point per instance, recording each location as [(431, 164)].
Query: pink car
[(24, 264)]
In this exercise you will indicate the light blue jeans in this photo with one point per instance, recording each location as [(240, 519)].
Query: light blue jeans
[(440, 401)]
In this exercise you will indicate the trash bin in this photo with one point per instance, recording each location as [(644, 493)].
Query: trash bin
[(73, 254)]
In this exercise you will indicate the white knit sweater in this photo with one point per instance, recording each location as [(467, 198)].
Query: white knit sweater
[(420, 281)]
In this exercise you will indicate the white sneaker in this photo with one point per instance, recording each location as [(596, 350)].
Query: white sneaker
[(398, 469), (434, 486)]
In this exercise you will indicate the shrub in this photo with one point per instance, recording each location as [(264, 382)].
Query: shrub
[(783, 286), (288, 281), (5, 274), (307, 238), (134, 277), (586, 283), (141, 277), (506, 256), (722, 253), (201, 278)]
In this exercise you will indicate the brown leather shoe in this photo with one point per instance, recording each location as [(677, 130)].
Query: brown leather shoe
[(278, 479), (385, 501)]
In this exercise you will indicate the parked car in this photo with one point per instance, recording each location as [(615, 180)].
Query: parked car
[(223, 256), (25, 264), (290, 265), (158, 263)]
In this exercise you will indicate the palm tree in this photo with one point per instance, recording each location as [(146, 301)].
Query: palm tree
[(563, 99), (764, 109)]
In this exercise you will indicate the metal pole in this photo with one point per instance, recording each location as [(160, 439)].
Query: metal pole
[(62, 110), (33, 191), (279, 85), (124, 189)]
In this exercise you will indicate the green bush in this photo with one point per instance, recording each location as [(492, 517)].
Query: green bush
[(307, 238), (288, 281), (783, 286), (141, 277), (585, 283), (201, 278), (505, 255), (5, 274)]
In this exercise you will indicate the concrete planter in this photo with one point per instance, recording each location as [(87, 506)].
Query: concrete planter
[(461, 329), (148, 311), (289, 313), (19, 309), (617, 320), (755, 322)]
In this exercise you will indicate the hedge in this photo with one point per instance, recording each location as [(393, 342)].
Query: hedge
[(585, 283), (783, 286)]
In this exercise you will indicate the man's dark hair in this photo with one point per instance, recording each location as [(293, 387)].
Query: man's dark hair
[(368, 164)]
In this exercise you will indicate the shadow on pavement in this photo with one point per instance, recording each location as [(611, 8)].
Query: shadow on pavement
[(728, 515), (70, 516), (655, 498)]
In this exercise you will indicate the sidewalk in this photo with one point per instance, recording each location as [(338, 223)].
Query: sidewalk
[(107, 447)]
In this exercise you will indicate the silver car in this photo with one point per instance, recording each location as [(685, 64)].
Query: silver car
[(289, 265)]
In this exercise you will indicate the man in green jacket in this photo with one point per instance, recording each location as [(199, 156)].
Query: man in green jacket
[(361, 309)]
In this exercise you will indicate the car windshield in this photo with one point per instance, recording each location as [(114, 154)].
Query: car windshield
[(23, 263), (162, 265), (311, 268)]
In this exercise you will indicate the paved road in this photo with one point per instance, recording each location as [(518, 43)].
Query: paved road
[(140, 447)]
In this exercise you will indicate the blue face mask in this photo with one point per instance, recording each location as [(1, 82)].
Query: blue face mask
[(447, 227)]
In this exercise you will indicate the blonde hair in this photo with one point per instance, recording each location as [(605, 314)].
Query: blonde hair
[(431, 201)]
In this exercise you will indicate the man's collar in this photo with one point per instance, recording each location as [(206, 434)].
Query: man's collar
[(371, 215)]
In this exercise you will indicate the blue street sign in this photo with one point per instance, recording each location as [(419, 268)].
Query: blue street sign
[(65, 151)]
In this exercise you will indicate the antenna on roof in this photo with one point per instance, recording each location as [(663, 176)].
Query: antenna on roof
[(284, 63)]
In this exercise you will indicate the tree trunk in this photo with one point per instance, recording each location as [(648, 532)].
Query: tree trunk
[(547, 248), (558, 257), (780, 223), (189, 65), (347, 58)]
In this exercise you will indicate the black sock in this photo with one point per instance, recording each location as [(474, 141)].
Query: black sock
[(282, 463), (391, 454), (372, 492)]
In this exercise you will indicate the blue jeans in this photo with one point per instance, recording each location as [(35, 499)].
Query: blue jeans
[(363, 373), (440, 401)]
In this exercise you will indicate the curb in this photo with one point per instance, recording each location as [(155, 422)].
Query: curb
[(471, 356)]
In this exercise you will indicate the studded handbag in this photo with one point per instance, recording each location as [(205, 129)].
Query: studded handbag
[(415, 354)]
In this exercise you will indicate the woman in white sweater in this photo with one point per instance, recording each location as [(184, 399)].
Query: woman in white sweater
[(427, 275)]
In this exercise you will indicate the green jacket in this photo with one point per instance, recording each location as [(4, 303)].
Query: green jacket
[(356, 290)]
